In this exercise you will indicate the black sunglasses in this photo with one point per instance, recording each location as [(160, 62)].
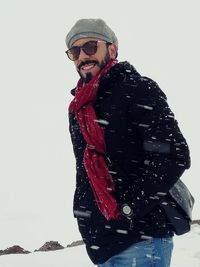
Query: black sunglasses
[(89, 48)]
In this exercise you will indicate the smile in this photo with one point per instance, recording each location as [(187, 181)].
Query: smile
[(88, 66)]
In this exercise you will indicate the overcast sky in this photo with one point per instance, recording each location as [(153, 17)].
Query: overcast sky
[(37, 174)]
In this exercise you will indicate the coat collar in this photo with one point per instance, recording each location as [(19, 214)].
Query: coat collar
[(118, 72)]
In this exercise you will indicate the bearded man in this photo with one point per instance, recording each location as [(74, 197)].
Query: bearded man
[(129, 153)]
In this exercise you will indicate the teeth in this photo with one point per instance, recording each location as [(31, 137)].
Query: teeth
[(88, 66)]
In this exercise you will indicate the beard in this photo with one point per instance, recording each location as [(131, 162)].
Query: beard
[(88, 77)]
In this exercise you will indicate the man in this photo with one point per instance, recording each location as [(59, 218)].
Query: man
[(129, 152)]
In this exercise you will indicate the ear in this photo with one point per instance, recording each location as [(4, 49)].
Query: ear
[(112, 49)]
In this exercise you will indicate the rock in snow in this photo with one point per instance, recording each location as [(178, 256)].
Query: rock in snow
[(51, 245), (14, 250), (48, 246), (75, 243)]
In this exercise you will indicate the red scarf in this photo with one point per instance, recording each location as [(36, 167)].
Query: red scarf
[(94, 156)]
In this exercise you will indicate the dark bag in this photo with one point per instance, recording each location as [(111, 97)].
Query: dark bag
[(178, 205)]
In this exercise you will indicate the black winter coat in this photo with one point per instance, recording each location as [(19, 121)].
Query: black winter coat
[(146, 155)]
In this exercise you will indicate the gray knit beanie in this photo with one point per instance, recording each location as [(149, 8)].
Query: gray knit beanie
[(96, 28)]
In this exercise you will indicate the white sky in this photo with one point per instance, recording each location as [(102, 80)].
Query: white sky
[(37, 174)]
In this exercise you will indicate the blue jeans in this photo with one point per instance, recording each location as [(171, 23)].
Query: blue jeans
[(154, 252)]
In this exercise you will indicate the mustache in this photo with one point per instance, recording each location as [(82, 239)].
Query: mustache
[(87, 62)]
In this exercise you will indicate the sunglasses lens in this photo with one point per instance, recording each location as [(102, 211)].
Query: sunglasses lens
[(90, 48), (73, 53)]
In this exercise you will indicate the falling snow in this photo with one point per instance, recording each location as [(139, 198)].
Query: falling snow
[(145, 107), (101, 121)]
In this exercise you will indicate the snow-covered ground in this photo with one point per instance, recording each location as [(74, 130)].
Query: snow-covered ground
[(186, 253)]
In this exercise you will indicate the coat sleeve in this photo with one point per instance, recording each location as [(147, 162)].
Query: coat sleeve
[(165, 149)]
